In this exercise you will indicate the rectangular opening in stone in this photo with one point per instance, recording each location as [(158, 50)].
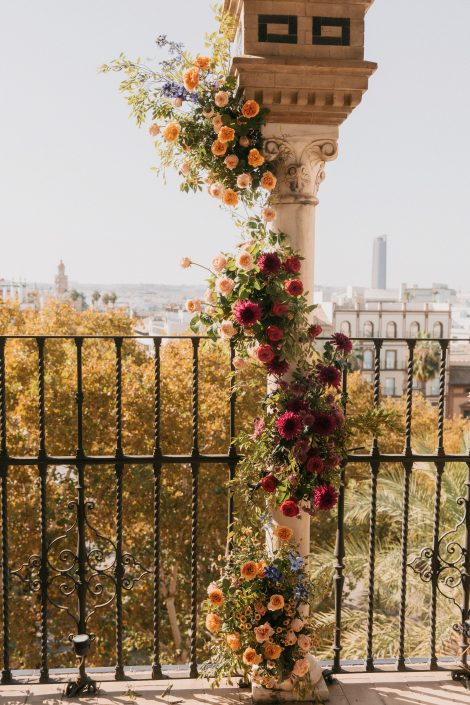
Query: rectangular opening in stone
[(334, 31), (277, 29)]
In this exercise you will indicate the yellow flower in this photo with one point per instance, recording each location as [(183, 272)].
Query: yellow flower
[(251, 657), (255, 158), (272, 651), (230, 198), (250, 109), (172, 131), (219, 148), (191, 79), (213, 623), (216, 597), (226, 134), (268, 181), (203, 62), (283, 533), (249, 570), (276, 603), (233, 642)]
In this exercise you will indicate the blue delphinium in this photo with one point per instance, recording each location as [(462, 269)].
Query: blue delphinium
[(272, 573), (296, 562), (301, 592)]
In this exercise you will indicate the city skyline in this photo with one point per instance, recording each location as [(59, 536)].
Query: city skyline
[(76, 173)]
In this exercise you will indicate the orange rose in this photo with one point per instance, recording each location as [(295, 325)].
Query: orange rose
[(216, 597), (233, 642), (255, 158), (250, 109), (276, 603), (249, 570), (268, 181), (272, 651), (172, 131), (191, 79), (154, 130), (250, 657), (230, 197), (203, 62), (213, 623), (219, 148), (283, 533), (226, 134), (261, 567)]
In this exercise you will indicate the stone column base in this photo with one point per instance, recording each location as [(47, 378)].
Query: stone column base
[(317, 693)]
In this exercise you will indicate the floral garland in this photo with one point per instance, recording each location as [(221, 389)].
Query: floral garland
[(255, 613)]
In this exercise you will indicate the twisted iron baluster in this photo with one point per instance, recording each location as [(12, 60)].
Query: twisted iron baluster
[(232, 452), (340, 552), (440, 465), (466, 574), (194, 506), (6, 671), (118, 468), (42, 468), (407, 468), (157, 467), (374, 471)]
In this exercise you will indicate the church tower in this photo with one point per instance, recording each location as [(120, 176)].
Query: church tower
[(61, 281)]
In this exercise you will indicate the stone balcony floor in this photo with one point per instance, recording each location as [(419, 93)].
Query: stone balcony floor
[(384, 687)]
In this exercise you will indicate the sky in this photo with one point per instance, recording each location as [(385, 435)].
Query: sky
[(75, 172)]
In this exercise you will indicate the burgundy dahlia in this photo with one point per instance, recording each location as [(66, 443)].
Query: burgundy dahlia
[(329, 376), (274, 334), (279, 309), (301, 450), (269, 263), (289, 425), (247, 313), (294, 287), (314, 465), (325, 497), (293, 265), (269, 484), (342, 343), (278, 367), (324, 424), (314, 331), (296, 405), (290, 508)]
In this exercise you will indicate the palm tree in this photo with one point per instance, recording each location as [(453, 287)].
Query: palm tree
[(95, 297), (112, 298), (427, 361), (105, 300)]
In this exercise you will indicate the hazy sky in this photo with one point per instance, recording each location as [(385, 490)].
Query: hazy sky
[(75, 177)]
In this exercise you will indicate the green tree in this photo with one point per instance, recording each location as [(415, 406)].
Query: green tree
[(95, 297), (427, 360)]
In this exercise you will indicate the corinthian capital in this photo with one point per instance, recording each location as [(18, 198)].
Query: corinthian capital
[(299, 155)]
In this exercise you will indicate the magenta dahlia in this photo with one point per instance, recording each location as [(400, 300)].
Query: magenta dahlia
[(329, 376), (342, 343), (247, 313), (269, 263), (324, 424), (289, 425), (325, 497)]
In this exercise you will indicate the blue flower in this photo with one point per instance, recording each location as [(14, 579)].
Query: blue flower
[(296, 562), (272, 573), (301, 591)]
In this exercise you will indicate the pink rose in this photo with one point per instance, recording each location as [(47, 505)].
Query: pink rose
[(185, 263), (231, 161), (269, 214), (194, 306), (245, 260), (290, 638), (219, 263), (221, 99), (227, 329), (217, 123), (224, 286), (300, 667), (297, 624), (244, 181), (216, 190), (209, 296), (263, 633), (239, 363), (304, 642)]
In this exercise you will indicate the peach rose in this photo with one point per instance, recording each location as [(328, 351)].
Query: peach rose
[(269, 214), (203, 62), (239, 363), (300, 667), (255, 158), (216, 190), (216, 597), (304, 642), (218, 148), (249, 570), (224, 286), (230, 197), (268, 181), (210, 311), (233, 642), (272, 651), (172, 131), (210, 297), (276, 602), (250, 109), (231, 162), (263, 633), (226, 134), (244, 180), (290, 638), (154, 129), (194, 306), (191, 79), (260, 608), (250, 657), (219, 263), (217, 123), (245, 260), (185, 263), (221, 99), (213, 623), (227, 329), (283, 533), (297, 624), (244, 141), (185, 168), (208, 113)]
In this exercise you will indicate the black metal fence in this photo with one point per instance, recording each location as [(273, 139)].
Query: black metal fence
[(80, 573)]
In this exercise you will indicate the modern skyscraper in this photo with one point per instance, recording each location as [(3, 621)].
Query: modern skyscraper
[(379, 263)]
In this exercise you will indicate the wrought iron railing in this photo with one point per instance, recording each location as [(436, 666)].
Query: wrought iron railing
[(82, 572)]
